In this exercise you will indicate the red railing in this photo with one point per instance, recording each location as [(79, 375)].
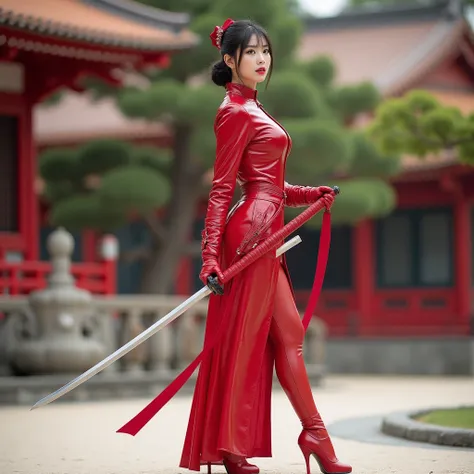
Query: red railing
[(23, 277), (407, 312), (417, 312), (337, 308)]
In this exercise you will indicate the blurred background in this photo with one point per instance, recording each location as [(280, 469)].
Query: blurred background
[(106, 154)]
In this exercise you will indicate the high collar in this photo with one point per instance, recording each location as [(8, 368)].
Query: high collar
[(245, 91)]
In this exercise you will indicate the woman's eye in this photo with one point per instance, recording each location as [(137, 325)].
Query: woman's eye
[(250, 51), (266, 51)]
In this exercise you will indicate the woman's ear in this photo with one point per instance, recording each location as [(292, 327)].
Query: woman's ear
[(229, 60)]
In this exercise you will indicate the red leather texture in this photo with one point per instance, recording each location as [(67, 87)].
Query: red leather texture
[(230, 412)]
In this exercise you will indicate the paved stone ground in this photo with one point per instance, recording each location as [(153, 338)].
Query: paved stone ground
[(80, 438)]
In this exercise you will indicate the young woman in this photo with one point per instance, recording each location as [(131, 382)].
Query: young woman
[(254, 318), (230, 415)]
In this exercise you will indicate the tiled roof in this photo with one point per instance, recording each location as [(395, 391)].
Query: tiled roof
[(77, 118), (392, 48), (395, 48), (384, 52), (116, 23)]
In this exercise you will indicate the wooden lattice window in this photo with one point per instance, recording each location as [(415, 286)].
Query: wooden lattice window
[(415, 248), (8, 173)]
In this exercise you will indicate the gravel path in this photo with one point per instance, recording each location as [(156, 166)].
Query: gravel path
[(80, 438)]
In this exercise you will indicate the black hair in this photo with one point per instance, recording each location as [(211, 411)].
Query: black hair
[(238, 36)]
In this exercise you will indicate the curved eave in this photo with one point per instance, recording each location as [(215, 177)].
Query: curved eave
[(70, 32)]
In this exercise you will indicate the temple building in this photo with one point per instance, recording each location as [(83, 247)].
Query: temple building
[(49, 45), (410, 274)]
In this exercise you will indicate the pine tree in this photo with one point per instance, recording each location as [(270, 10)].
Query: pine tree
[(103, 183), (418, 124)]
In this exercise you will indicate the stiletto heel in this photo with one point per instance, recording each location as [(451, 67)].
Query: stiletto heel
[(306, 453), (209, 468), (314, 440)]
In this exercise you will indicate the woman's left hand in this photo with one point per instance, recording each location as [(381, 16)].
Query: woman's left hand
[(327, 194)]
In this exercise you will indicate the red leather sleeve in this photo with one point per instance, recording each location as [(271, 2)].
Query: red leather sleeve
[(232, 130), (298, 196)]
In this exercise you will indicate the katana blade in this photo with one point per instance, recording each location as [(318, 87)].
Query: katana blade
[(153, 329)]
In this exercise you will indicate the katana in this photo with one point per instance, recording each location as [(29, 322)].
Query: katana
[(157, 326)]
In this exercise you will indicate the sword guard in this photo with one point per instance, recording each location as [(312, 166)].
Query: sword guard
[(214, 285)]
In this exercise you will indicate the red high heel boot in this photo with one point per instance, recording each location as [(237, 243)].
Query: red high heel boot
[(314, 439), (238, 465)]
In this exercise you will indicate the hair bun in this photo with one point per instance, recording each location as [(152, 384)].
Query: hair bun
[(221, 73)]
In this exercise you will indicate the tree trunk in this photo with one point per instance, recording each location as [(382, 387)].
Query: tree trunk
[(160, 269)]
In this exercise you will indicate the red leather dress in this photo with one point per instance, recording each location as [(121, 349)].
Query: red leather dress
[(231, 405)]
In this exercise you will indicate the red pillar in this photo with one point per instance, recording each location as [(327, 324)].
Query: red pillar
[(462, 259), (364, 273), (89, 246), (28, 202), (184, 276)]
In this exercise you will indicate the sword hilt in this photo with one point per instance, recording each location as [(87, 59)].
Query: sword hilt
[(214, 286)]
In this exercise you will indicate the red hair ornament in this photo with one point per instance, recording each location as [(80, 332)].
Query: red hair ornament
[(216, 35)]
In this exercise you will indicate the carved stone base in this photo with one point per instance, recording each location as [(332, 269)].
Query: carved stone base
[(56, 357)]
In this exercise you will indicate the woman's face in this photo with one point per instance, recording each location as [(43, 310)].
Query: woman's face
[(254, 64)]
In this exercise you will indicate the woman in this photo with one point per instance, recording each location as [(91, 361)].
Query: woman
[(254, 318), (230, 416)]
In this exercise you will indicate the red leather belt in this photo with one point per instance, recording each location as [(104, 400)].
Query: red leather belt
[(263, 190)]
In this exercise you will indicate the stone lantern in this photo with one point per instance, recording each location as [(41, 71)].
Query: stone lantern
[(64, 336)]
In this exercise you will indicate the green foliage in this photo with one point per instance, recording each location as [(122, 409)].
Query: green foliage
[(133, 188), (198, 105), (86, 212), (359, 199), (462, 417), (203, 146), (58, 164), (318, 149), (195, 61), (98, 88), (53, 99), (418, 124), (354, 99), (58, 190), (159, 101), (321, 70), (264, 12), (367, 160), (99, 156), (129, 179), (285, 33), (155, 158), (293, 95)]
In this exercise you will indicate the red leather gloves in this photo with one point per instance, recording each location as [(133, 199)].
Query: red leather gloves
[(298, 196), (232, 130), (211, 268)]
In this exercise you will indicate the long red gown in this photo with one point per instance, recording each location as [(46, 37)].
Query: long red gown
[(231, 405)]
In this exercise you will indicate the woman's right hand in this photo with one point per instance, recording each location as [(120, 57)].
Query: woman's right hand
[(210, 267)]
